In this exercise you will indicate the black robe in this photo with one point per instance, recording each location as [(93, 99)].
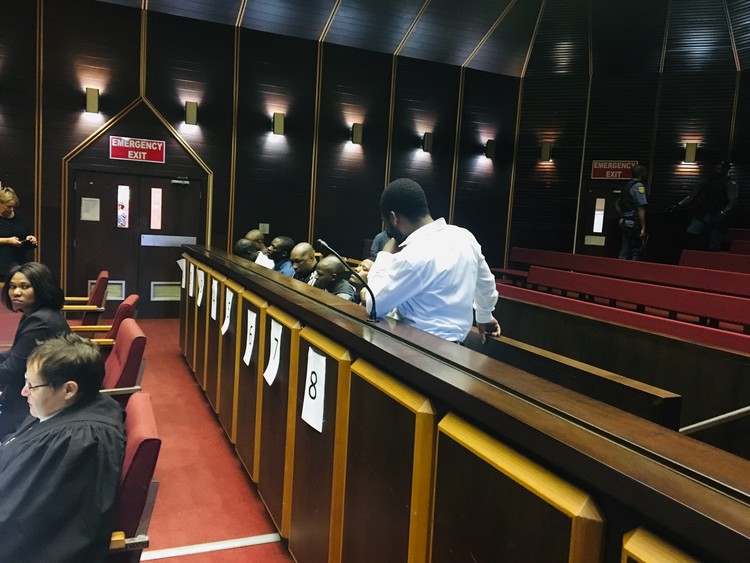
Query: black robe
[(58, 484)]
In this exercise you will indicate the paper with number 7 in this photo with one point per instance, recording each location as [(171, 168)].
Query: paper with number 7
[(274, 351)]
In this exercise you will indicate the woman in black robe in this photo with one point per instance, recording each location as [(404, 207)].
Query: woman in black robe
[(15, 237), (60, 472), (32, 291)]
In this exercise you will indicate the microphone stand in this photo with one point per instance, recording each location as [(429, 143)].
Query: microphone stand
[(373, 318)]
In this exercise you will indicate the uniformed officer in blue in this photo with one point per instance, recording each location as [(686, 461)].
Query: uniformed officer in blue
[(632, 209)]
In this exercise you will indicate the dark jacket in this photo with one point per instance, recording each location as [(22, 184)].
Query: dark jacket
[(58, 484)]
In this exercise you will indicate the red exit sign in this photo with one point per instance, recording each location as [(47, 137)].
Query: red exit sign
[(612, 169), (142, 150)]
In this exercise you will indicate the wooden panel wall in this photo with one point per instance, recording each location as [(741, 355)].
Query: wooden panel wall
[(190, 60), (355, 89), (277, 74), (483, 184), (426, 100), (593, 91), (17, 87)]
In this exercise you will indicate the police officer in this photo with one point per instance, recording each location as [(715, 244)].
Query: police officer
[(714, 200), (631, 207)]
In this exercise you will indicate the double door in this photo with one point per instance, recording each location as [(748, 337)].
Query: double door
[(133, 226)]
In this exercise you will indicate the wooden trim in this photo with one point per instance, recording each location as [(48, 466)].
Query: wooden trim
[(641, 546), (587, 532)]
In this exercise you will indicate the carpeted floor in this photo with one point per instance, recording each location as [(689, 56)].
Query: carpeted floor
[(204, 494)]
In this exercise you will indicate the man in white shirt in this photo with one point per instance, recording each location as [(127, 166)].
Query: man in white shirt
[(433, 273)]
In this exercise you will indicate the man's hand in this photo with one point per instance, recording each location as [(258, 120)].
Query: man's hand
[(491, 328)]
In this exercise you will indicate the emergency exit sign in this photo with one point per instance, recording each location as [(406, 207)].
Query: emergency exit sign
[(612, 169), (142, 150)]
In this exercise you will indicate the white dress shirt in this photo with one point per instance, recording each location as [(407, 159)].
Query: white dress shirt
[(435, 281)]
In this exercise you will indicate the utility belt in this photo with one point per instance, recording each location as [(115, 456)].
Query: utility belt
[(629, 220)]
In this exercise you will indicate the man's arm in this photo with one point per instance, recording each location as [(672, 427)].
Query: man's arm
[(485, 299), (392, 281), (642, 220)]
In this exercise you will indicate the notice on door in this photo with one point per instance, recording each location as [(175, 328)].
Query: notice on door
[(141, 150)]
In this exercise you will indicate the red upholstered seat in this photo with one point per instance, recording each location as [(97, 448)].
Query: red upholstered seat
[(93, 305), (126, 310), (137, 488), (123, 365)]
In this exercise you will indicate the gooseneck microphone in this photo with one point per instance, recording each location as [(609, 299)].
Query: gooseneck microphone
[(373, 318)]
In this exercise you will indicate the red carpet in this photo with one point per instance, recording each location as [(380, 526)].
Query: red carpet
[(204, 494)]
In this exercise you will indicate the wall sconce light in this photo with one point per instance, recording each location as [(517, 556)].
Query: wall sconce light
[(191, 113), (278, 123), (92, 100), (357, 133), (489, 149), (690, 150), (427, 142), (546, 155)]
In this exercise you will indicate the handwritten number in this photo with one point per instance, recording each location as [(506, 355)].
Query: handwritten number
[(312, 391)]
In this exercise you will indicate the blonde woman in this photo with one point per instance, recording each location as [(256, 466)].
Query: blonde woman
[(15, 236)]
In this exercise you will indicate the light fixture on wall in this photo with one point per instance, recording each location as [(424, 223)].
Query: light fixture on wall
[(357, 133), (546, 155), (277, 122), (191, 113), (427, 142), (690, 150), (92, 100), (489, 148)]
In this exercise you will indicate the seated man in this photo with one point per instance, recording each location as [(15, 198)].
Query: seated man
[(278, 251), (304, 262), (246, 249), (330, 276), (60, 472), (363, 268), (257, 238)]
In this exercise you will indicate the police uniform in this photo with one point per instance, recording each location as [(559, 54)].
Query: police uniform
[(632, 198)]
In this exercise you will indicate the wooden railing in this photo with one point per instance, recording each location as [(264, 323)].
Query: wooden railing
[(357, 432)]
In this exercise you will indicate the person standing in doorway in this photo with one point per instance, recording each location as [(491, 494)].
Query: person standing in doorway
[(632, 209)]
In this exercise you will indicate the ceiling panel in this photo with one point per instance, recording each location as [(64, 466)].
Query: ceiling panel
[(299, 18), (505, 51), (217, 11), (700, 35), (449, 31), (375, 26)]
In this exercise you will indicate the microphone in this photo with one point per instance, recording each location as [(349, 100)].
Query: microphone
[(373, 318)]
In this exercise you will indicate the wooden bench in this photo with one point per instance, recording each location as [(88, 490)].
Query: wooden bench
[(521, 258), (717, 281), (647, 401), (716, 260), (740, 247), (709, 308)]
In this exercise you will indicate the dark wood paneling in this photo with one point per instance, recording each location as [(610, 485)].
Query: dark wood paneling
[(277, 74), (17, 101), (86, 44), (483, 184), (698, 38), (356, 89), (546, 193), (692, 107), (189, 60), (426, 100), (623, 41)]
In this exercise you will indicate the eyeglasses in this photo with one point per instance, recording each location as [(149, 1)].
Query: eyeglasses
[(31, 387)]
